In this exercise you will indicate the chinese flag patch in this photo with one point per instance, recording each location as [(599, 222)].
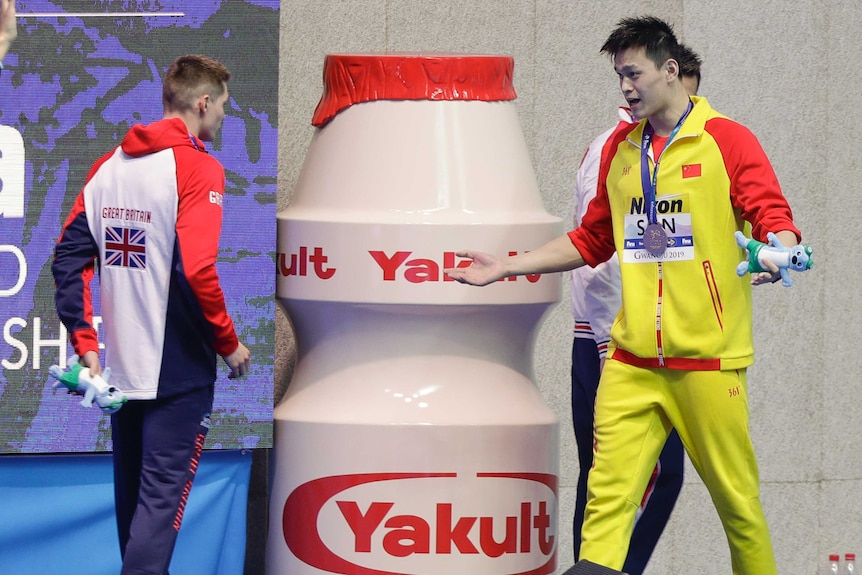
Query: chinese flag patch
[(691, 171)]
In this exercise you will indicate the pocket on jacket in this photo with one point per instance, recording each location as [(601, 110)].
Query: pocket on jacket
[(712, 286)]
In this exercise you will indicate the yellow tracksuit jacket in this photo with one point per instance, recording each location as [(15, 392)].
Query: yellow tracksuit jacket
[(687, 309)]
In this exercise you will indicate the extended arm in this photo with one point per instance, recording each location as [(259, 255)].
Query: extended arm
[(557, 255)]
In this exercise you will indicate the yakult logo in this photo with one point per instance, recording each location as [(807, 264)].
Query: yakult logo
[(396, 523)]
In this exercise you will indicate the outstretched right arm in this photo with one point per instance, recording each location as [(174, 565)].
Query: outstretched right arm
[(557, 255)]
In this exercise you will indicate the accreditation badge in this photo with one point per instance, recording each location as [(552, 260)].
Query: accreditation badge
[(669, 238)]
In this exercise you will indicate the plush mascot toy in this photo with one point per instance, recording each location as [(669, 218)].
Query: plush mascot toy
[(796, 258), (77, 379)]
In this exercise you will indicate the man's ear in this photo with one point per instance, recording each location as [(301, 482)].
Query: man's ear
[(203, 103), (671, 69)]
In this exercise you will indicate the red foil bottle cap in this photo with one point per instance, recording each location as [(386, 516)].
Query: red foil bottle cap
[(355, 78)]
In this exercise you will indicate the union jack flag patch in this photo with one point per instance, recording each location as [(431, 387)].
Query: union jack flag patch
[(125, 247)]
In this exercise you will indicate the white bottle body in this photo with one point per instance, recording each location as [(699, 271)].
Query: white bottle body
[(412, 438)]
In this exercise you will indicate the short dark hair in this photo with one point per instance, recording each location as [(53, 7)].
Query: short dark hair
[(689, 63), (190, 76), (652, 34)]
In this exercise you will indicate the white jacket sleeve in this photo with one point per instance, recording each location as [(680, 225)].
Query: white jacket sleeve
[(595, 291)]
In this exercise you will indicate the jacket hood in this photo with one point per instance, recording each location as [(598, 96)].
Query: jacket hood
[(161, 135)]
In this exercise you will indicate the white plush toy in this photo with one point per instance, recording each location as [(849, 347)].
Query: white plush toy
[(77, 379), (796, 257)]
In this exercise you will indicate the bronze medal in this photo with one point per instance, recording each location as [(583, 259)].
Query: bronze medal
[(655, 240)]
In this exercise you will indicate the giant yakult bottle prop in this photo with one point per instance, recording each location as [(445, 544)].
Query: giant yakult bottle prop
[(412, 439)]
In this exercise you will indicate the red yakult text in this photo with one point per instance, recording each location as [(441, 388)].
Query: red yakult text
[(298, 264), (419, 270), (445, 533)]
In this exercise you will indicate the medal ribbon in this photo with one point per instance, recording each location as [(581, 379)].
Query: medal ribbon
[(649, 184)]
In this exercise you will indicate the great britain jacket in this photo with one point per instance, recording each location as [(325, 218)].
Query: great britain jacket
[(149, 217), (686, 309)]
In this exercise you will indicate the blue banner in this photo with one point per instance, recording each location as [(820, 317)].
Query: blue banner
[(58, 516)]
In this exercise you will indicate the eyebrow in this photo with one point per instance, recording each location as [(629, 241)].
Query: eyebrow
[(626, 68)]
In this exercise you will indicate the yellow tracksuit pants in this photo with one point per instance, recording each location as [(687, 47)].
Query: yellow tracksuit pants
[(635, 410)]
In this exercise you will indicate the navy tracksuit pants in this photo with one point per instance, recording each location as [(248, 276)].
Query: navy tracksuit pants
[(157, 448), (667, 478)]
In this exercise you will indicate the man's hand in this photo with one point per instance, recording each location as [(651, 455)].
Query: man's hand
[(769, 277), (239, 362), (484, 270), (91, 360)]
